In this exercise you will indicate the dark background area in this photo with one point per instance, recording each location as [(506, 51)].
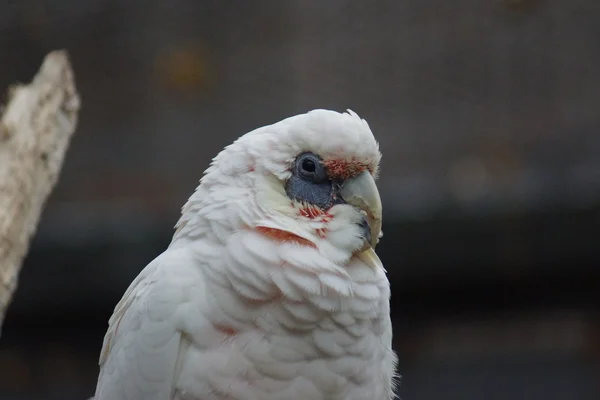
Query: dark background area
[(487, 113)]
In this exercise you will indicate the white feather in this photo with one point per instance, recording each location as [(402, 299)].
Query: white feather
[(227, 312)]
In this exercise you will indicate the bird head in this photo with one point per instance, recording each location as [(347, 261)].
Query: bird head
[(308, 179)]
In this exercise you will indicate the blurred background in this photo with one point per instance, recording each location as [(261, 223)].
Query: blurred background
[(487, 113)]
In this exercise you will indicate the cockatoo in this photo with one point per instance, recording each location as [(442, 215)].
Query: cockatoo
[(270, 288)]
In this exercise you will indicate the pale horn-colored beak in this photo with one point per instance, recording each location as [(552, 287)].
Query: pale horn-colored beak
[(361, 191)]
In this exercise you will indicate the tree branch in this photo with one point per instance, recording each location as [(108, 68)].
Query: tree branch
[(35, 130)]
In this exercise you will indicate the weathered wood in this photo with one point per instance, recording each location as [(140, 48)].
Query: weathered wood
[(35, 129)]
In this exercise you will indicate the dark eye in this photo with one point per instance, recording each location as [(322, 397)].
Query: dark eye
[(308, 165), (310, 184), (310, 168)]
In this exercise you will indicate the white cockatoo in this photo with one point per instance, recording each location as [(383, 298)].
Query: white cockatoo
[(270, 288)]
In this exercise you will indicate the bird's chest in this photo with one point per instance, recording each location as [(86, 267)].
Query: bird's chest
[(268, 362), (321, 347)]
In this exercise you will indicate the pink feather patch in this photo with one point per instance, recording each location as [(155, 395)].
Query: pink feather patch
[(283, 236), (344, 169)]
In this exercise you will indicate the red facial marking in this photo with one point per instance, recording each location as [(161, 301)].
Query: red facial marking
[(344, 169), (315, 213), (226, 330), (322, 232), (283, 236), (311, 212)]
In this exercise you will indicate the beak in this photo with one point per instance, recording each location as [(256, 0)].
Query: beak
[(361, 192)]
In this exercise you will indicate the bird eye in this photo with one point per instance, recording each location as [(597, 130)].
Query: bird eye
[(310, 168), (310, 183), (308, 165)]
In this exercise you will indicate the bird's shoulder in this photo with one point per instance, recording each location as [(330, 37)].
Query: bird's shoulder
[(141, 346), (154, 293)]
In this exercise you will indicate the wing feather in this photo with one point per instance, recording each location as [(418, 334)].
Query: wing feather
[(140, 349)]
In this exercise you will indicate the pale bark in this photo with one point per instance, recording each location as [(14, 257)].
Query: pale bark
[(35, 129)]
